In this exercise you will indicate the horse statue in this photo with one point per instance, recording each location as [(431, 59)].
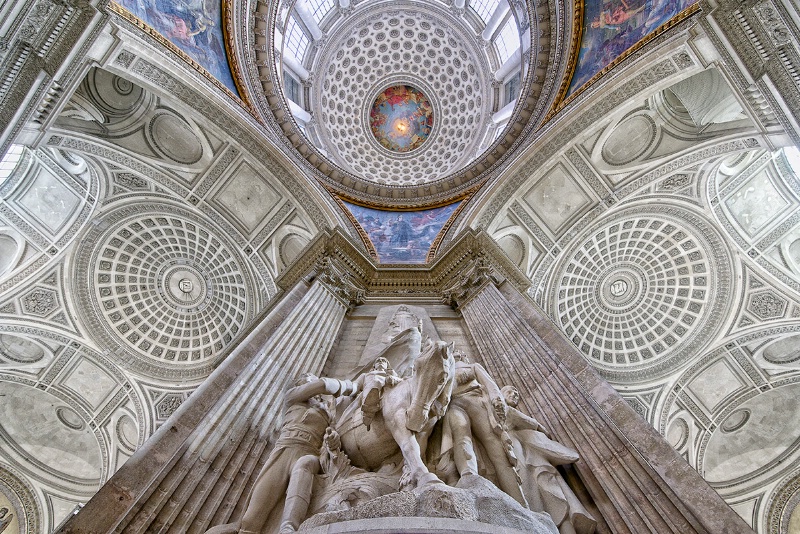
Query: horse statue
[(408, 413)]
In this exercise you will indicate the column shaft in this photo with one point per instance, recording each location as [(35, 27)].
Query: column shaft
[(181, 485), (658, 494)]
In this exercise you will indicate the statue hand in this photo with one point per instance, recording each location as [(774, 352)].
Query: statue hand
[(332, 439), (500, 408)]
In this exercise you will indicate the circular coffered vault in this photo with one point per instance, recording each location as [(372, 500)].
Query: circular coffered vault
[(382, 72), (325, 88), (166, 288), (643, 291)]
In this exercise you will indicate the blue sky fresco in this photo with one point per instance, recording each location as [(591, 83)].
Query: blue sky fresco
[(611, 27), (402, 236), (194, 26)]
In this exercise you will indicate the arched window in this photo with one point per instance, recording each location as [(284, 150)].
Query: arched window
[(320, 8), (296, 41), (484, 8), (507, 40), (10, 161)]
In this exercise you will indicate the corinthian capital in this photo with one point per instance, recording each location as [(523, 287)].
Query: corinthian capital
[(469, 281), (340, 282)]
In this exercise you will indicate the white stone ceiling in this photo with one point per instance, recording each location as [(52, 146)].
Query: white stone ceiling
[(667, 249), (425, 48)]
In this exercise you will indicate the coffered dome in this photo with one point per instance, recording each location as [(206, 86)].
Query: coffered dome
[(467, 63)]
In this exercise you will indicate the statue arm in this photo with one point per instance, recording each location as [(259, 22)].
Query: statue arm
[(497, 414), (521, 421), (320, 386), (487, 382)]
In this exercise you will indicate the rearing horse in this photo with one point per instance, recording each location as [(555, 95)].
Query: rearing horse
[(408, 414)]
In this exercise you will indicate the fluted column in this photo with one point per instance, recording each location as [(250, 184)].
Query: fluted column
[(182, 485), (636, 480)]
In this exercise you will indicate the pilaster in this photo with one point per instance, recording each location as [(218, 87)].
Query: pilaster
[(197, 467)]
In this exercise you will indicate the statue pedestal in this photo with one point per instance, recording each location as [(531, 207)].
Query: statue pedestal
[(413, 525), (474, 505)]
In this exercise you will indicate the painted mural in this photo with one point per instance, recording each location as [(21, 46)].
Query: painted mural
[(611, 27), (401, 118), (194, 26), (402, 237)]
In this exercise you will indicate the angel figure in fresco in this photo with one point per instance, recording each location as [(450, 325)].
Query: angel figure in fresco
[(615, 17)]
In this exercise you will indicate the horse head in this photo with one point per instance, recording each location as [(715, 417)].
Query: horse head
[(432, 380)]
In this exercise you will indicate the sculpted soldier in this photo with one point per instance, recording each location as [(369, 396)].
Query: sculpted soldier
[(374, 381), (477, 413), (295, 459), (542, 484)]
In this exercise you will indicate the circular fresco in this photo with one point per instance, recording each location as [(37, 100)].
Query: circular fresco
[(401, 118), (411, 49)]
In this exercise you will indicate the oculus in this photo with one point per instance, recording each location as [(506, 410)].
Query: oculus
[(401, 118)]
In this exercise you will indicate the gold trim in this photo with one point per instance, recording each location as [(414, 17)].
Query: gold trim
[(366, 203), (437, 241), (361, 232), (572, 61), (233, 62), (562, 101), (172, 47)]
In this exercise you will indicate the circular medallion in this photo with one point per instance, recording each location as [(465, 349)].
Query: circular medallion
[(401, 118), (370, 80), (19, 350), (618, 288)]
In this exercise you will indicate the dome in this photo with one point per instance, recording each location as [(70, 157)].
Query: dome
[(343, 69)]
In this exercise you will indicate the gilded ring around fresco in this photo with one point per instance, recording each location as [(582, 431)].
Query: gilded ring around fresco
[(401, 118)]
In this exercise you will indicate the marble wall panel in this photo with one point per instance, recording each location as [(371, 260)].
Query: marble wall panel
[(47, 200), (248, 196), (90, 381), (556, 197), (714, 384)]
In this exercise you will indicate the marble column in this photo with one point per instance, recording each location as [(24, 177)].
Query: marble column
[(197, 468), (636, 480)]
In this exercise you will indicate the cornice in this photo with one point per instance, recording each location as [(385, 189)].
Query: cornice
[(471, 252)]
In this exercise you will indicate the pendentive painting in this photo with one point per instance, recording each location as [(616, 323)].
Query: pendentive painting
[(612, 27), (194, 26), (402, 236)]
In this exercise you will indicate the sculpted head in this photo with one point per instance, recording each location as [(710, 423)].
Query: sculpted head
[(403, 319), (511, 395), (381, 364), (461, 356)]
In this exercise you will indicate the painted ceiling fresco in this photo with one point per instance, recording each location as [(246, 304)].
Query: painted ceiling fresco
[(402, 237), (194, 26), (401, 118), (612, 27)]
